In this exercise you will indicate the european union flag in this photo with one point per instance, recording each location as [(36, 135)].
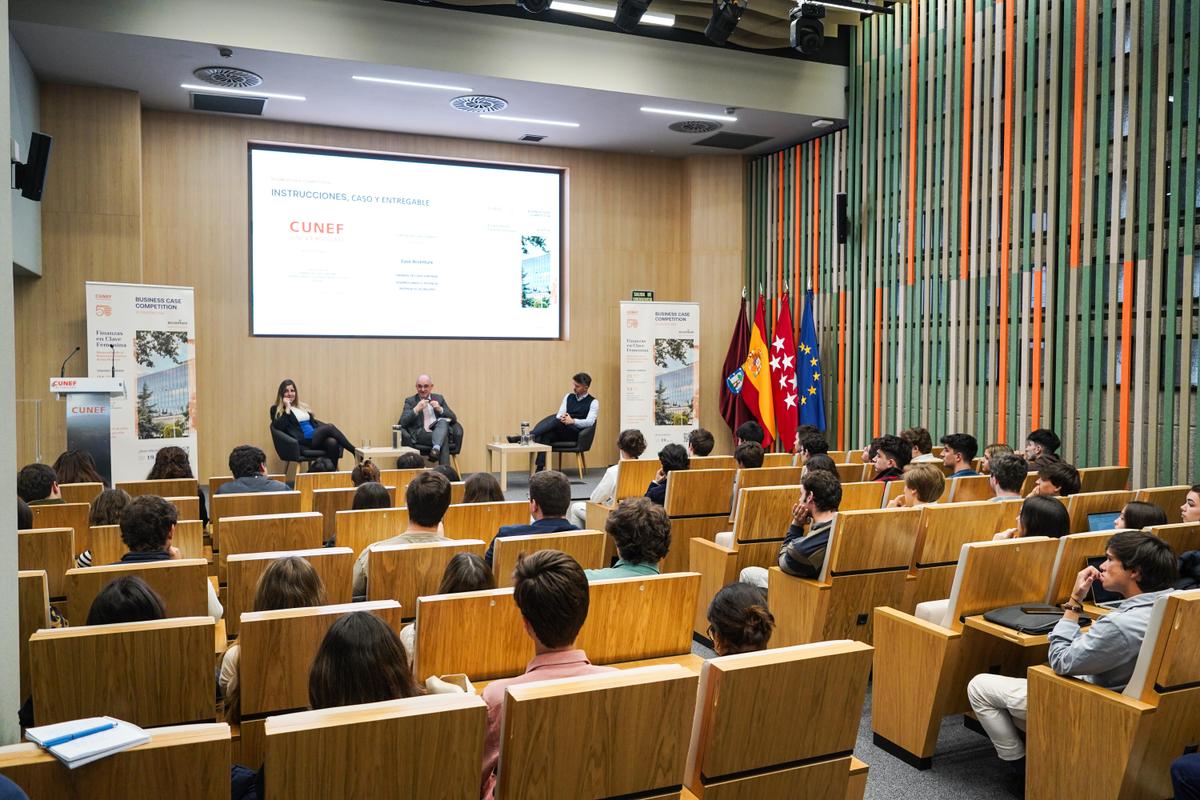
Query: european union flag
[(809, 378)]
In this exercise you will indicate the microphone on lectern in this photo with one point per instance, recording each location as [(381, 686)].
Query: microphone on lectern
[(62, 371)]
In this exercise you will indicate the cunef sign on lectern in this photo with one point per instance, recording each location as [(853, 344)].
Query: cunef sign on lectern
[(89, 401)]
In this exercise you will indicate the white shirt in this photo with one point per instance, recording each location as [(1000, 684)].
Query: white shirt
[(300, 414), (593, 411), (606, 490)]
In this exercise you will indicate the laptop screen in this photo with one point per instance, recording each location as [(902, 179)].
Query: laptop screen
[(1102, 522)]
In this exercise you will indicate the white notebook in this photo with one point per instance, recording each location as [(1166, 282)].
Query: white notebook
[(90, 744)]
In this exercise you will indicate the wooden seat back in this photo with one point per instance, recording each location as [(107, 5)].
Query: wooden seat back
[(188, 506), (634, 475), (699, 492), (308, 482), (1027, 486), (183, 762), (86, 492), (334, 565), (415, 747), (400, 478), (278, 647), (1103, 479), (780, 460), (711, 462), (328, 502), (968, 488), (482, 520), (108, 546), (861, 496), (1079, 506), (764, 513), (946, 528), (881, 540), (403, 572), (769, 476), (853, 472), (249, 504), (149, 673), (33, 614), (264, 533), (997, 574), (217, 481), (1073, 552), (357, 529), (1168, 659), (892, 490), (65, 515), (169, 487), (458, 491), (1168, 498), (181, 583), (586, 547), (745, 700), (1182, 536), (48, 549), (623, 734), (482, 634)]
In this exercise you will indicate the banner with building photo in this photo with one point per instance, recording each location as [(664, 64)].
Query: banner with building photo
[(145, 335), (660, 371)]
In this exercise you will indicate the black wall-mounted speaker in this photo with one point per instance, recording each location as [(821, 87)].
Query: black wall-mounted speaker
[(31, 176), (843, 222)]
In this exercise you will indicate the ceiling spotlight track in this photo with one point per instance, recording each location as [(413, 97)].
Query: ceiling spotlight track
[(806, 33), (725, 17), (629, 14)]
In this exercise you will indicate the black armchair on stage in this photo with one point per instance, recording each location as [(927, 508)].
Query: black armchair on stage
[(292, 454), (454, 437), (578, 446)]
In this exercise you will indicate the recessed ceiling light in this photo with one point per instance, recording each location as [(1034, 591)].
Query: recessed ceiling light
[(863, 9), (822, 123), (609, 12), (243, 92), (415, 84), (530, 120), (683, 114)]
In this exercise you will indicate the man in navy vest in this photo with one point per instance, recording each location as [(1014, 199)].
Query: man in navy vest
[(577, 411)]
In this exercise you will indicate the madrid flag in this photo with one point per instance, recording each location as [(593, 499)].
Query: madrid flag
[(783, 374), (756, 390)]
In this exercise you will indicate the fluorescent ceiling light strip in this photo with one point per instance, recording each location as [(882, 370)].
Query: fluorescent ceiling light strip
[(530, 120), (683, 114), (607, 12), (416, 84), (840, 6), (242, 92)]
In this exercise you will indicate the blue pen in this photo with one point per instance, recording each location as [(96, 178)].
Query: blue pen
[(78, 735)]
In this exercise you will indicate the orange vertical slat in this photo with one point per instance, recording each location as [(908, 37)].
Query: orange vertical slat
[(816, 215), (1036, 381), (841, 420)]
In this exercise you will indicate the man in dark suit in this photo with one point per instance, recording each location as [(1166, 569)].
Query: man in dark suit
[(427, 420), (549, 498)]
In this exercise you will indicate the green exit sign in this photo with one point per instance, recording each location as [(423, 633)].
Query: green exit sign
[(643, 296)]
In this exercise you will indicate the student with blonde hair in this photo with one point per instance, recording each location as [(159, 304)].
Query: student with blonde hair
[(923, 483)]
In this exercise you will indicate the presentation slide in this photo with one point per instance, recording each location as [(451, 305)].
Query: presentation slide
[(357, 244)]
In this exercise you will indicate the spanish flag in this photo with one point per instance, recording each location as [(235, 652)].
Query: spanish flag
[(756, 389)]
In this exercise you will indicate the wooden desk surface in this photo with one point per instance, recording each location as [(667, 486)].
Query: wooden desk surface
[(1007, 634), (515, 447)]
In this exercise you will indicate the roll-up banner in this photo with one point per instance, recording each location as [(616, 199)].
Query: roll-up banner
[(660, 371), (145, 335)]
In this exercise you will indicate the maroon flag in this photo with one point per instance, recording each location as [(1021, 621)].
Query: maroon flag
[(733, 410)]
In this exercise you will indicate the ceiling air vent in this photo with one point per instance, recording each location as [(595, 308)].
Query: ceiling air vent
[(228, 104), (479, 103), (228, 77), (531, 137), (732, 141), (695, 126)]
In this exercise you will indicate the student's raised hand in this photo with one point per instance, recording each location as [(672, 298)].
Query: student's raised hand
[(660, 476), (1083, 582), (800, 515), (899, 501), (1008, 534), (287, 403), (175, 554)]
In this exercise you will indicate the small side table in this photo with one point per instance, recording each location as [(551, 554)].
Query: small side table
[(505, 449), (375, 453)]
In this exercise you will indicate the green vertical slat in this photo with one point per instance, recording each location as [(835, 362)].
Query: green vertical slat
[(1189, 240), (1166, 465)]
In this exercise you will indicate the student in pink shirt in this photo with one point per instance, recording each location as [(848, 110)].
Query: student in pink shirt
[(552, 593)]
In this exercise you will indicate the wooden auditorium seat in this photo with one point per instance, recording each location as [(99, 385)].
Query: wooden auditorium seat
[(151, 673), (945, 528), (968, 488), (1081, 506), (50, 550), (861, 496), (482, 520), (612, 735), (430, 746), (853, 472), (760, 524), (327, 502), (108, 547), (249, 504), (780, 460), (709, 462), (188, 507), (403, 572), (334, 565), (169, 487), (921, 669), (1182, 536), (586, 547), (85, 492), (1027, 486), (400, 478), (1168, 498), (181, 583), (264, 533), (357, 529), (866, 565), (482, 634), (1103, 479), (308, 482), (65, 515), (182, 762), (769, 476), (1073, 553), (1124, 741), (633, 477), (747, 700), (698, 502), (33, 614)]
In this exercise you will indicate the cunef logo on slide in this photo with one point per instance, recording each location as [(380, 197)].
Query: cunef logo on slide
[(316, 228)]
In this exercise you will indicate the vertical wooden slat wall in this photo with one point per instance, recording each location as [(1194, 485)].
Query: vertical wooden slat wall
[(1023, 184)]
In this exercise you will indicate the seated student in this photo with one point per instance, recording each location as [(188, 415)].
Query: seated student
[(549, 498), (248, 465), (958, 450), (1039, 516), (923, 483), (922, 445), (147, 526), (1040, 447), (750, 431), (1057, 479), (739, 620), (991, 453), (289, 582), (482, 487), (412, 460), (890, 455), (171, 463), (809, 445), (630, 444), (700, 442), (551, 591), (370, 495), (466, 572), (1140, 568), (1185, 777), (127, 599), (1137, 515), (105, 510), (1007, 473), (1190, 510), (670, 458), (800, 555), (427, 498), (820, 463), (364, 472), (37, 485), (642, 533), (24, 516), (77, 466)]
